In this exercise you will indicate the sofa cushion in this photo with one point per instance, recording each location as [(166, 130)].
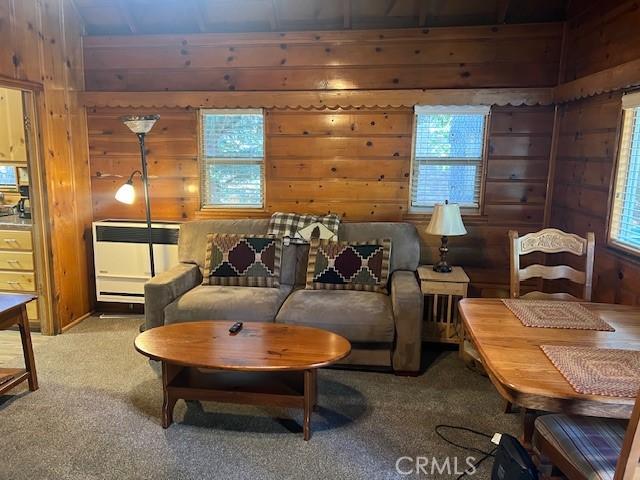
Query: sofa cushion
[(349, 265), (218, 302), (244, 260), (358, 316)]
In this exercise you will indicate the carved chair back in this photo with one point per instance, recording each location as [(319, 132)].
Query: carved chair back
[(551, 240)]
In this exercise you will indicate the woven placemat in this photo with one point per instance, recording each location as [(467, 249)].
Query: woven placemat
[(597, 371), (554, 314)]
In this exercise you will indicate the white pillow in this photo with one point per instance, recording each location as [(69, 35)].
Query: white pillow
[(306, 232)]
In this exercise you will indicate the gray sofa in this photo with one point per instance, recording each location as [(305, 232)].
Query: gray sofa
[(385, 330)]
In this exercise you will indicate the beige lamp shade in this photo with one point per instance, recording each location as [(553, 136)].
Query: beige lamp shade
[(446, 221)]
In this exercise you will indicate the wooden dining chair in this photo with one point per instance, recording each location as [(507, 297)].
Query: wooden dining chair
[(589, 447), (551, 240)]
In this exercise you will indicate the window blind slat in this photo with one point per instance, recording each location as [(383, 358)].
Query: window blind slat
[(625, 214), (232, 158), (447, 160)]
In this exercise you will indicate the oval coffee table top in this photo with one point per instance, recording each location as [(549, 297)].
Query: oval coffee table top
[(257, 347)]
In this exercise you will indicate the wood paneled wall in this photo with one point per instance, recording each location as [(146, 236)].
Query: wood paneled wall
[(603, 35), (453, 57), (585, 166), (41, 44), (600, 36), (352, 162)]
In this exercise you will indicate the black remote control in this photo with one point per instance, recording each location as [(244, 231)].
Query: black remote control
[(236, 327)]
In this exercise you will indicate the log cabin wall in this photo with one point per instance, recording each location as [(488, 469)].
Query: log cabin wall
[(352, 162), (603, 36), (449, 57), (42, 44)]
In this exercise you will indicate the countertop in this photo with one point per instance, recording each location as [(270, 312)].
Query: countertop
[(13, 222)]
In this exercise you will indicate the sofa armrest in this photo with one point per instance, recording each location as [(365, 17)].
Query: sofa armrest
[(408, 303), (164, 288)]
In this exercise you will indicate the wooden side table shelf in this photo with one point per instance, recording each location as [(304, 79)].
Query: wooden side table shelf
[(442, 292), (13, 311)]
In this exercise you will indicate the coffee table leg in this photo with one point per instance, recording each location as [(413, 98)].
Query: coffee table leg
[(314, 384), (169, 372), (27, 348), (308, 402)]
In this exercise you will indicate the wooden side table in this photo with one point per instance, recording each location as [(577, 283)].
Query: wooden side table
[(442, 292), (13, 311)]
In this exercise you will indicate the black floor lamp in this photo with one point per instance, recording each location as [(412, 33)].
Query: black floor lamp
[(140, 125)]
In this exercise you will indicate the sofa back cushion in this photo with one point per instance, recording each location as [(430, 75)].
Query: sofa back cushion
[(192, 244)]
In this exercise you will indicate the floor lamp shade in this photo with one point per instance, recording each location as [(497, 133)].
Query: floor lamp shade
[(140, 124)]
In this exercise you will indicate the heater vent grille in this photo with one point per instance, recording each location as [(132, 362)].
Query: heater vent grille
[(159, 236)]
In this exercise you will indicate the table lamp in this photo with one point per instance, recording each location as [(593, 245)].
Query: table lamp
[(446, 221)]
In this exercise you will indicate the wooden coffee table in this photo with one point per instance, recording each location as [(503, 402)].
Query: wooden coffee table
[(263, 364)]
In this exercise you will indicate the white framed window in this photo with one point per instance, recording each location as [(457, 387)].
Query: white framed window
[(448, 156), (8, 177), (624, 227), (232, 158)]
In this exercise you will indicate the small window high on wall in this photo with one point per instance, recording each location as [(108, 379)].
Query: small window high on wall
[(232, 158), (448, 156), (624, 229)]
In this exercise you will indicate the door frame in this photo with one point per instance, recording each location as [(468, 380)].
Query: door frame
[(33, 106)]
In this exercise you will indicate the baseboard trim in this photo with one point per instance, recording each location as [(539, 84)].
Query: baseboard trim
[(76, 322)]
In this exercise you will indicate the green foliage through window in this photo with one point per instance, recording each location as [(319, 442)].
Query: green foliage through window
[(232, 158)]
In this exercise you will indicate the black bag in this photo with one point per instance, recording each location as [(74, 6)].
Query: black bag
[(512, 461)]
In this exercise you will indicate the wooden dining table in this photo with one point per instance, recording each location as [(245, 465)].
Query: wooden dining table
[(522, 373)]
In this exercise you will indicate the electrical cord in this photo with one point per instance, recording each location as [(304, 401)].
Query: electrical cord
[(464, 447)]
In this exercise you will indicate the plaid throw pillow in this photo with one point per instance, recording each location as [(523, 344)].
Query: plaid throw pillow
[(349, 265), (287, 225), (243, 260)]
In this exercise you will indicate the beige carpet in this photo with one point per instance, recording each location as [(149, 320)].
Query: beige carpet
[(96, 416)]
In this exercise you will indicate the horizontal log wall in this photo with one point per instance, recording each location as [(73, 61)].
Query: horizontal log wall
[(585, 166), (460, 57), (352, 162), (355, 162), (602, 36)]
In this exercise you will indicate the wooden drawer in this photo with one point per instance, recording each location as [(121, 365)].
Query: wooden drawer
[(32, 310), (16, 260), (15, 240), (17, 281), (443, 288)]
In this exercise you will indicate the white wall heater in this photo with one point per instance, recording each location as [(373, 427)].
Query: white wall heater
[(121, 256)]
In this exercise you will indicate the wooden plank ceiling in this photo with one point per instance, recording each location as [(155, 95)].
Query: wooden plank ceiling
[(125, 17)]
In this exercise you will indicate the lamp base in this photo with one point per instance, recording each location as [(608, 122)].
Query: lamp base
[(442, 267)]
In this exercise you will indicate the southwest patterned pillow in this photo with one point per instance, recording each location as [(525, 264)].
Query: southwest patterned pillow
[(349, 265), (243, 260)]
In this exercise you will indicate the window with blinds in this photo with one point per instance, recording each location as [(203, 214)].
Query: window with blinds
[(624, 230), (448, 156), (232, 158)]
